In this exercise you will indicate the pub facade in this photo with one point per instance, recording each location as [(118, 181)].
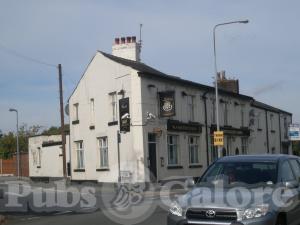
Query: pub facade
[(130, 122)]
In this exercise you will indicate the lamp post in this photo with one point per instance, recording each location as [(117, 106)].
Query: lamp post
[(18, 152), (216, 74)]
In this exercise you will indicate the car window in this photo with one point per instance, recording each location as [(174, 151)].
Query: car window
[(286, 172), (296, 167)]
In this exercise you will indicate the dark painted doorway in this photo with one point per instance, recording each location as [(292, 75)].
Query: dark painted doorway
[(152, 156)]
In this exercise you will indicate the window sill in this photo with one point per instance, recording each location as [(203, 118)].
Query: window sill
[(112, 123), (74, 122), (102, 169), (79, 170), (174, 167), (92, 127), (195, 166)]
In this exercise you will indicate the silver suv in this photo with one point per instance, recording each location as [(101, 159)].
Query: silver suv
[(237, 190)]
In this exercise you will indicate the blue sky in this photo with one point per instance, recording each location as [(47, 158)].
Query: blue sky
[(177, 37)]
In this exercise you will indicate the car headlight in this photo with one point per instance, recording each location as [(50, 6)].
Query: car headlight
[(254, 212), (175, 209)]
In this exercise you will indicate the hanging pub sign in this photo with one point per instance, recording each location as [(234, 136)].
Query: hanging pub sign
[(124, 115), (167, 103)]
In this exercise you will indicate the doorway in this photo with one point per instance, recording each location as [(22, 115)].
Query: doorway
[(152, 163)]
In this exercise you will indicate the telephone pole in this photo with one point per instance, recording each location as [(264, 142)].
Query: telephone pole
[(62, 120)]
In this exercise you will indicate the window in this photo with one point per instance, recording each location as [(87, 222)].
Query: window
[(272, 122), (258, 122), (92, 110), (194, 150), (213, 116), (114, 106), (39, 157), (286, 128), (173, 150), (103, 146), (80, 154), (76, 112), (225, 113), (296, 167), (286, 172), (242, 116), (191, 107), (244, 145)]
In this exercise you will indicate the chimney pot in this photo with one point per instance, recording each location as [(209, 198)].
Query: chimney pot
[(128, 39), (133, 39), (117, 41), (122, 40)]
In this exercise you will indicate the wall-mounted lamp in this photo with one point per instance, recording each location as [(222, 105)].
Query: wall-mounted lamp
[(121, 92), (151, 86), (162, 161), (183, 94)]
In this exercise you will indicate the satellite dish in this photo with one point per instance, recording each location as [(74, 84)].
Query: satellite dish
[(67, 109)]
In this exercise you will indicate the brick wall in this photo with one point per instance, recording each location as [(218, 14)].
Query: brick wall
[(9, 166)]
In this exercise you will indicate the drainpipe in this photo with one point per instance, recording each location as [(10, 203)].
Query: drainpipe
[(206, 127), (267, 132), (280, 145)]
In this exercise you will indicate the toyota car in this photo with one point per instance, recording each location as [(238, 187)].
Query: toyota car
[(243, 190)]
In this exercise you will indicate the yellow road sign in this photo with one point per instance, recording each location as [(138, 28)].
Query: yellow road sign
[(218, 138)]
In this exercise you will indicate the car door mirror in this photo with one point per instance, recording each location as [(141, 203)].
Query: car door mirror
[(291, 184), (190, 183)]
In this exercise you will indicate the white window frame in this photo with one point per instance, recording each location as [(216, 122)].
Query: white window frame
[(192, 147), (103, 152), (176, 145), (114, 106), (191, 107), (92, 110), (80, 154), (76, 111), (244, 145)]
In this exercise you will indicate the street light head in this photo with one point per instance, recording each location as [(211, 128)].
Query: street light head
[(12, 110), (244, 21)]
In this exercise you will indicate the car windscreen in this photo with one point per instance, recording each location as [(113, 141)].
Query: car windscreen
[(242, 172)]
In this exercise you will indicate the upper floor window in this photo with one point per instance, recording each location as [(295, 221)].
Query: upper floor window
[(272, 121), (225, 113), (194, 150), (92, 110), (114, 106), (103, 147), (213, 115), (76, 111), (242, 116), (173, 154), (244, 145), (191, 107), (286, 128)]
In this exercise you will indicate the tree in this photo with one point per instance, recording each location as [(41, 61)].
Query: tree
[(8, 143)]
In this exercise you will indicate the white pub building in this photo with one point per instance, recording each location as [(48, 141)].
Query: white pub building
[(127, 118)]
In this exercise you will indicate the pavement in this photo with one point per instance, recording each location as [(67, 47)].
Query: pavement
[(146, 207)]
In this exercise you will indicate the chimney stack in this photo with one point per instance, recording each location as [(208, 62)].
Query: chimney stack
[(127, 48)]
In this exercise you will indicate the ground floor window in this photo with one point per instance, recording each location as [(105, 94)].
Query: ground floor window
[(194, 150), (173, 154), (103, 147), (244, 145), (80, 154)]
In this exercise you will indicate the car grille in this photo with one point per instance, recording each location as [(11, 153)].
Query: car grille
[(220, 215)]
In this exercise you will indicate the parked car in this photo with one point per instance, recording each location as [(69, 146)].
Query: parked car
[(250, 190)]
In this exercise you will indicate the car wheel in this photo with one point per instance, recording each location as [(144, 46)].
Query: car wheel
[(280, 221)]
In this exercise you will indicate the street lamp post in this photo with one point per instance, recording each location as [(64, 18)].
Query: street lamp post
[(216, 75), (18, 152)]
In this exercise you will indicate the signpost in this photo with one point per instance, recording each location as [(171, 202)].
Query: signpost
[(218, 138), (294, 132)]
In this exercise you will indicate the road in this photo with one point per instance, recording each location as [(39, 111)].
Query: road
[(96, 218), (111, 207)]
